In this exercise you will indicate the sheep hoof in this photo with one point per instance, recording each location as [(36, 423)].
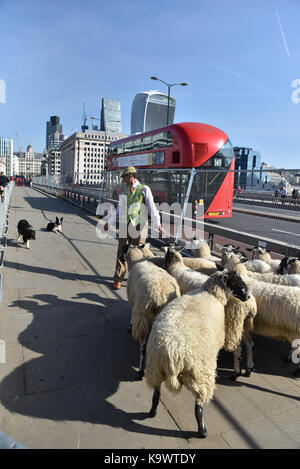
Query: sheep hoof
[(140, 375), (296, 373), (152, 413)]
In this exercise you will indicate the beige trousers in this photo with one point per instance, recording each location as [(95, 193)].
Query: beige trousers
[(121, 267)]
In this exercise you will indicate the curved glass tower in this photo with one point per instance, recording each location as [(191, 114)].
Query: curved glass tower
[(149, 111)]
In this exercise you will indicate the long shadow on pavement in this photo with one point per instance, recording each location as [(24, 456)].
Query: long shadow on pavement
[(85, 354)]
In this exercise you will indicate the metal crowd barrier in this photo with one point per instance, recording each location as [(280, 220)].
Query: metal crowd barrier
[(4, 216)]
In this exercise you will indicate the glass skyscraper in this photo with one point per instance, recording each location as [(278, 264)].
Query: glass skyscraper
[(6, 154), (54, 133), (111, 115), (149, 111)]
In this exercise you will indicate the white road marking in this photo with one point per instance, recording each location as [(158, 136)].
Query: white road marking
[(287, 232)]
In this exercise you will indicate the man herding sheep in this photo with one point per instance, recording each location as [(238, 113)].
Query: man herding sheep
[(134, 220)]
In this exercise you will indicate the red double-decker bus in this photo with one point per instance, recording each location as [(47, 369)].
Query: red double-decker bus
[(165, 159)]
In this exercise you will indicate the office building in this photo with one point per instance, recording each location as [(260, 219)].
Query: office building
[(54, 133), (149, 111), (248, 161), (111, 116), (6, 155), (53, 161), (30, 163), (83, 154)]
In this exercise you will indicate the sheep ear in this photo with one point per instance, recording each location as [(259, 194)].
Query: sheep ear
[(178, 248), (141, 245), (219, 267), (218, 246), (164, 248), (292, 261), (249, 249), (224, 276)]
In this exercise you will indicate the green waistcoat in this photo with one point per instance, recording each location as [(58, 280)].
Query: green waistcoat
[(134, 202)]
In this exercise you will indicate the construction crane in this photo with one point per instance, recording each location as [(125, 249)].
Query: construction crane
[(84, 127), (19, 147)]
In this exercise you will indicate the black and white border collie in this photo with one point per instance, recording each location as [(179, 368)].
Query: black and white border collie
[(55, 226), (26, 231)]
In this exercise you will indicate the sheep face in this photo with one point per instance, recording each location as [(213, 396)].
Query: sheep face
[(172, 257), (288, 265), (126, 249), (258, 252), (235, 284)]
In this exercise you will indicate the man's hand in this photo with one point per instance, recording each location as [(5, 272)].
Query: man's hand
[(162, 231)]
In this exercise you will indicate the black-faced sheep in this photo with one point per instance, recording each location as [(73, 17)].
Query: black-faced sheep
[(186, 337), (278, 308), (149, 289)]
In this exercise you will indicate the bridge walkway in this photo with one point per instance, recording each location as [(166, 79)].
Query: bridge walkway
[(69, 377)]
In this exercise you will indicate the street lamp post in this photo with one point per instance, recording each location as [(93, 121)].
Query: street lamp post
[(169, 85)]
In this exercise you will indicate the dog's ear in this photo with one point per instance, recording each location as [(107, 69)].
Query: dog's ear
[(61, 219), (57, 220)]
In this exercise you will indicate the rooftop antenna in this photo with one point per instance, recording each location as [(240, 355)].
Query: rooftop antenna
[(84, 127)]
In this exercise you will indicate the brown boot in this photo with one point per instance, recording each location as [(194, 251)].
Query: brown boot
[(117, 285)]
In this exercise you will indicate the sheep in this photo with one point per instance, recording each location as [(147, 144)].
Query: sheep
[(262, 254), (289, 265), (206, 266), (201, 249), (278, 308), (186, 278), (149, 289), (190, 281), (287, 279), (186, 337), (254, 265)]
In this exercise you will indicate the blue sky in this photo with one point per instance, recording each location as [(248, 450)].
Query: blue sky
[(239, 59)]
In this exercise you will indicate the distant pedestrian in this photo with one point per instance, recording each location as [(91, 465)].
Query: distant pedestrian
[(239, 190), (295, 194), (283, 194), (276, 195), (3, 181)]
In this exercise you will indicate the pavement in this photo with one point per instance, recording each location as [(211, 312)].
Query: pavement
[(69, 380)]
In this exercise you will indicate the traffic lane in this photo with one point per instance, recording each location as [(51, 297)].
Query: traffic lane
[(273, 228)]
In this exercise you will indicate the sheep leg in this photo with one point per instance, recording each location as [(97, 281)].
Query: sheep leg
[(155, 402), (249, 344), (237, 359), (141, 371), (202, 432)]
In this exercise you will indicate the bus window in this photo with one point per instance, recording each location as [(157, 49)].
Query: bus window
[(146, 143), (176, 157)]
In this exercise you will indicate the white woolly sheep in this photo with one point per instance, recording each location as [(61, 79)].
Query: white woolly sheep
[(201, 249), (262, 254), (254, 265), (186, 337), (203, 265), (149, 289), (190, 281), (278, 308), (186, 278)]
